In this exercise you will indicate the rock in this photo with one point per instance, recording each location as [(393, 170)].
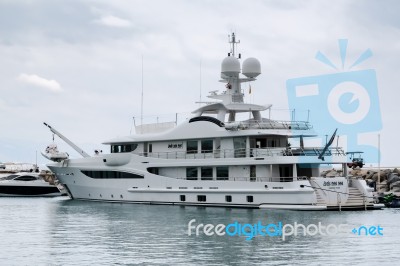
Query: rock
[(370, 174), (393, 177), (397, 171), (332, 173), (382, 177), (395, 186)]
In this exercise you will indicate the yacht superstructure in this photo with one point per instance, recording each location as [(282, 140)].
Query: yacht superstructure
[(212, 159)]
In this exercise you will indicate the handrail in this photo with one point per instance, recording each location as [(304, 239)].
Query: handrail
[(242, 153), (270, 124)]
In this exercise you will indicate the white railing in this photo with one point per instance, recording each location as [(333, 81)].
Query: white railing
[(243, 153), (250, 179), (270, 124)]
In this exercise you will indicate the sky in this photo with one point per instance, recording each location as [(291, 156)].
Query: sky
[(80, 65)]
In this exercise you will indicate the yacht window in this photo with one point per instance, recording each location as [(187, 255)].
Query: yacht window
[(206, 173), (228, 198), (272, 143), (207, 146), (222, 173), (129, 147), (115, 149), (191, 146), (191, 173), (239, 145), (249, 198), (26, 178), (10, 177), (201, 197), (153, 170), (183, 198), (110, 175), (123, 148)]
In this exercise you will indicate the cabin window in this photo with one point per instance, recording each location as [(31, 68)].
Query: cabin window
[(115, 148), (110, 175), (239, 145), (228, 198), (123, 148), (285, 170), (207, 146), (153, 170), (206, 173), (191, 146), (191, 173), (201, 198), (183, 197), (222, 173), (26, 178), (249, 198)]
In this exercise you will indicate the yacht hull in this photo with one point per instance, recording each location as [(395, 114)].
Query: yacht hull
[(154, 189), (28, 191)]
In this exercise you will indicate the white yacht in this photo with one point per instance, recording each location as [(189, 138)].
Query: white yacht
[(212, 159), (27, 184)]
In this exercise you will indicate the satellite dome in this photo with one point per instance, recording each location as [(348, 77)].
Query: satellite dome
[(251, 67), (230, 66)]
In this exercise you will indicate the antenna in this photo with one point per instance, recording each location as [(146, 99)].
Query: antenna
[(232, 40), (141, 105), (200, 83), (133, 120)]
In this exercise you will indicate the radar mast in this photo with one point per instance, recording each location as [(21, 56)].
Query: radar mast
[(233, 42)]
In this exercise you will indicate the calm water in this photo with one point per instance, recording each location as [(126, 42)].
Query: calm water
[(59, 231)]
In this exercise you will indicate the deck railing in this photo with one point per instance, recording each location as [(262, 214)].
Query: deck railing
[(243, 153), (251, 179), (270, 124)]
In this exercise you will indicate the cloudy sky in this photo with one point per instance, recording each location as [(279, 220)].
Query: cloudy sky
[(77, 65)]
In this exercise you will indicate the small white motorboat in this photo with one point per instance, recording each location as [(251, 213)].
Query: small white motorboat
[(52, 153)]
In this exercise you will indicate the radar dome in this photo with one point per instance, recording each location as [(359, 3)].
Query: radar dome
[(251, 67), (230, 66)]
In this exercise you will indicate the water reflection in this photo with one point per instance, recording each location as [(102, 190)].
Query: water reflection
[(61, 231)]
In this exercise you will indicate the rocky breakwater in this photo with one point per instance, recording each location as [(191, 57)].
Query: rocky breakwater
[(48, 177), (389, 179)]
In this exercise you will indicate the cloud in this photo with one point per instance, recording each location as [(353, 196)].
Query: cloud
[(49, 84), (112, 21)]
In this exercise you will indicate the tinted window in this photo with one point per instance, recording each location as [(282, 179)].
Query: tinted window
[(123, 148), (201, 198), (110, 174), (206, 146), (249, 198), (191, 173), (206, 173), (26, 178), (191, 146), (222, 173)]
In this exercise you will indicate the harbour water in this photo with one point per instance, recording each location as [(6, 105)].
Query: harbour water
[(60, 231)]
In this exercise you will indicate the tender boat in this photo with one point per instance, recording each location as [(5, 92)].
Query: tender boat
[(27, 185), (212, 159)]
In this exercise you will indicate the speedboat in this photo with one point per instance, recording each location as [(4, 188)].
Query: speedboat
[(28, 185), (215, 159)]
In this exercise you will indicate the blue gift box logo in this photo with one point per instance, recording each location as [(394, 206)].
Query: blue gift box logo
[(348, 101)]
